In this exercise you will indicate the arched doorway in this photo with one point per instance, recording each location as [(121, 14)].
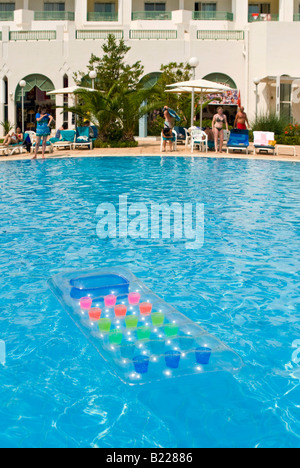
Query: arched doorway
[(221, 78), (228, 100), (150, 80), (35, 94)]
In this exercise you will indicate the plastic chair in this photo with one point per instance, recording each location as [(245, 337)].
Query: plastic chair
[(226, 135), (174, 141), (199, 137)]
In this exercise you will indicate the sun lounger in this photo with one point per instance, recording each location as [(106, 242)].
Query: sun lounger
[(10, 150), (264, 142), (67, 138), (3, 151), (49, 147), (238, 141), (83, 138)]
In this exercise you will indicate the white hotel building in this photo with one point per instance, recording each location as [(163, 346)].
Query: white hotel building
[(236, 41)]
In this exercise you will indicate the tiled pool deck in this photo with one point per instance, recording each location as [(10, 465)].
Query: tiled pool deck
[(151, 147)]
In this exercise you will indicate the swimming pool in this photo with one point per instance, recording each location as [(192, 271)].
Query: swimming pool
[(242, 286)]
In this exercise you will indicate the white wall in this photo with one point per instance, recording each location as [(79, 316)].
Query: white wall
[(272, 51)]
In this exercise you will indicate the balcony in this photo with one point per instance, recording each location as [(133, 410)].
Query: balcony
[(257, 18), (220, 35), (212, 16), (54, 16), (99, 34), (32, 35), (152, 15), (102, 16), (152, 34), (6, 15)]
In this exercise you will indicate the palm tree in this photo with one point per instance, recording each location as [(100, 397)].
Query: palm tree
[(115, 114)]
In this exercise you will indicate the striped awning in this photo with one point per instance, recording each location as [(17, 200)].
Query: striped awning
[(40, 81)]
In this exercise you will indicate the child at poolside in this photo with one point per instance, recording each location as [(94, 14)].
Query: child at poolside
[(167, 136)]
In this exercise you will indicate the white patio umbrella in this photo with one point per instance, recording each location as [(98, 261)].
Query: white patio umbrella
[(69, 90), (200, 87)]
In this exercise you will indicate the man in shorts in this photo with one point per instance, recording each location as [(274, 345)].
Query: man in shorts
[(241, 120)]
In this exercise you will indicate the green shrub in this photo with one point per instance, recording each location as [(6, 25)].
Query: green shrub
[(287, 140), (292, 130), (155, 126), (270, 122), (7, 126), (115, 144)]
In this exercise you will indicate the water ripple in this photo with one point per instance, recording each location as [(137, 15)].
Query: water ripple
[(242, 286)]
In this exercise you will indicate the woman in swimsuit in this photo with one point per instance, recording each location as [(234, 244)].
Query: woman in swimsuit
[(218, 128)]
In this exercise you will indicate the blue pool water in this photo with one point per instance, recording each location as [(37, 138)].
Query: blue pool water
[(242, 286)]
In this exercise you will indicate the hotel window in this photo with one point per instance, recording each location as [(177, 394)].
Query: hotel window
[(54, 6), (260, 8), (7, 6), (211, 7), (155, 7), (104, 7)]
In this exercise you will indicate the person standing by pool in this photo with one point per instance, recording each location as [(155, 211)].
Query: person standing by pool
[(241, 120), (168, 137), (169, 120), (218, 128), (43, 120)]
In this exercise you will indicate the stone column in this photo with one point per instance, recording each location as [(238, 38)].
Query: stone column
[(240, 12), (143, 125), (181, 4), (2, 104), (80, 12), (286, 10), (125, 11), (59, 115)]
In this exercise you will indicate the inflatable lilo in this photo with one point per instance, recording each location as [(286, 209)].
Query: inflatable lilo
[(142, 337)]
